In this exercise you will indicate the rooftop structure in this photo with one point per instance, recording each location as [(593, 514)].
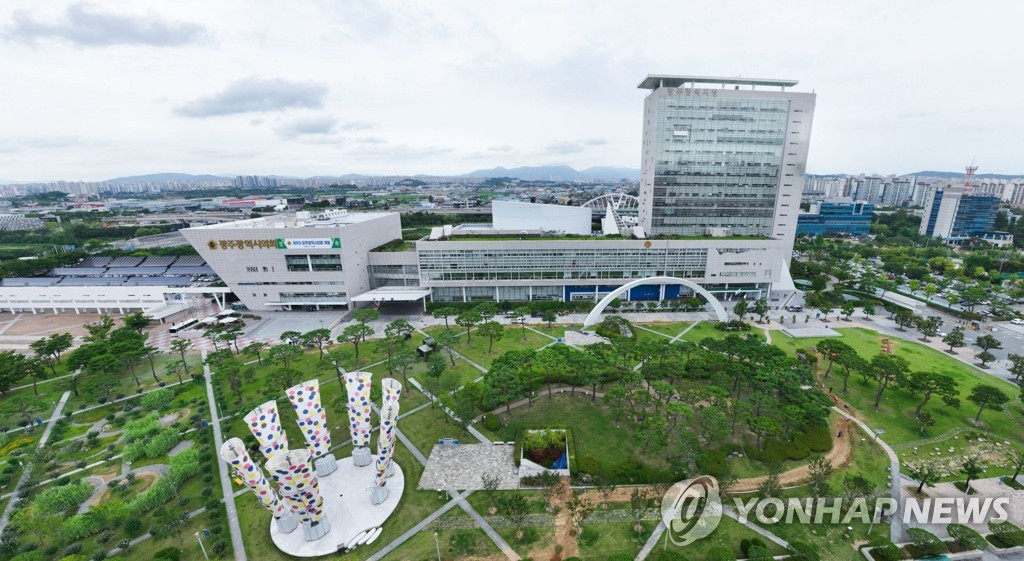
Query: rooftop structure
[(655, 81)]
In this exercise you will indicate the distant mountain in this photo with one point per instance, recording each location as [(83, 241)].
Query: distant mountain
[(609, 173), (959, 174), (558, 173), (157, 177)]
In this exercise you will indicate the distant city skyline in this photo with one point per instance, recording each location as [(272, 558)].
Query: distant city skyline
[(128, 88)]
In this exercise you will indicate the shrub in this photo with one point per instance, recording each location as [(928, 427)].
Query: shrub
[(29, 556), (966, 537), (135, 451), (589, 536), (80, 526), (158, 400), (720, 554), (746, 544), (801, 551), (168, 554), (621, 557), (1005, 534), (926, 543), (141, 428), (759, 553), (491, 422), (816, 438), (162, 442), (73, 549), (59, 499), (669, 555), (732, 325), (887, 552)]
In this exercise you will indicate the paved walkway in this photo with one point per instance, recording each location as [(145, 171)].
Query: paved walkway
[(895, 487), (6, 516), (225, 481)]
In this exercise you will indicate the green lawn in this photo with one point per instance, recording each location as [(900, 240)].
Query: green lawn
[(671, 329), (728, 534), (833, 541), (425, 427), (476, 346), (613, 539), (454, 544), (706, 329), (897, 408)]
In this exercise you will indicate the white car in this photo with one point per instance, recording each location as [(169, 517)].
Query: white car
[(1017, 321)]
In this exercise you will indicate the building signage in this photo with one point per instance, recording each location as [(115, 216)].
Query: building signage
[(241, 244), (308, 243)]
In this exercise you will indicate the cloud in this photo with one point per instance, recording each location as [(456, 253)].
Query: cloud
[(574, 146), (255, 95), (499, 148), (401, 151), (83, 24), (356, 126), (307, 126), (371, 140)]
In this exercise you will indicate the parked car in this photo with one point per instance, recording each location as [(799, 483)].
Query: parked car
[(1017, 321)]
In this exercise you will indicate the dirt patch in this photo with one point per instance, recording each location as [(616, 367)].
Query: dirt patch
[(840, 455), (143, 481), (170, 419), (45, 324), (563, 528)]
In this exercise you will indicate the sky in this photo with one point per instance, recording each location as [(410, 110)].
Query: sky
[(98, 90)]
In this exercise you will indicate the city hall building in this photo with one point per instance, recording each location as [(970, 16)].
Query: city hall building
[(721, 175)]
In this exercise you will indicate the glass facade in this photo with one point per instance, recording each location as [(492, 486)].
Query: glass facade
[(717, 163), (440, 265), (837, 219), (975, 215)]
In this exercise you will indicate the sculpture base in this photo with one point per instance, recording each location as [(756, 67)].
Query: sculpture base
[(348, 509), (325, 465), (378, 494), (391, 469), (313, 533), (362, 456), (286, 523)]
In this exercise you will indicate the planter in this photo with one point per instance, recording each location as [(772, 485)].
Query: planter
[(528, 467), (1004, 552)]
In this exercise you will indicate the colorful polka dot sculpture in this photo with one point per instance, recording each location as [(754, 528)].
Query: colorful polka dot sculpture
[(386, 440), (296, 477), (391, 389), (357, 384), (251, 474), (310, 414), (265, 424)]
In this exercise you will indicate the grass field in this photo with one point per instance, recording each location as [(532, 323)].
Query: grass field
[(475, 347), (897, 407)]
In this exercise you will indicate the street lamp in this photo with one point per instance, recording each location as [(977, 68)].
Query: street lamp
[(200, 538), (438, 544)]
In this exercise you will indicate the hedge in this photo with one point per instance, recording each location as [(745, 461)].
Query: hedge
[(59, 499), (141, 428), (813, 438), (926, 544), (80, 526), (183, 466), (162, 443), (966, 536)]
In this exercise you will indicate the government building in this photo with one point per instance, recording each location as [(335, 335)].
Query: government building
[(722, 169)]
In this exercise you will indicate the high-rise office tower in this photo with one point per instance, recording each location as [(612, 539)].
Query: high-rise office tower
[(723, 156)]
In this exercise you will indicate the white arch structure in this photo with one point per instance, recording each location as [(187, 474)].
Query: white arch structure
[(594, 314)]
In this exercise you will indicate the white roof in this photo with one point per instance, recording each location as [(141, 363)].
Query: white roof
[(393, 294)]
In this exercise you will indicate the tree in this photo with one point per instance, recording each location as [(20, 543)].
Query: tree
[(904, 318), (487, 310), (1016, 365), (1017, 460), (819, 471), (740, 309), (445, 312), (868, 310), (984, 396), (761, 308), (887, 369), (337, 357), (468, 320), (26, 407), (914, 285), (927, 472), (985, 357), (137, 321), (354, 334), (364, 316), (400, 361), (176, 368), (847, 309), (579, 510), (771, 486), (763, 427), (987, 343), (446, 340), (972, 467), (10, 373), (955, 338), (182, 346), (930, 290), (924, 420), (519, 315), (255, 349), (291, 337), (436, 365), (516, 508), (928, 384), (639, 503), (503, 384), (283, 355), (714, 425), (100, 329), (317, 338), (49, 349), (492, 330), (929, 326), (549, 317)]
